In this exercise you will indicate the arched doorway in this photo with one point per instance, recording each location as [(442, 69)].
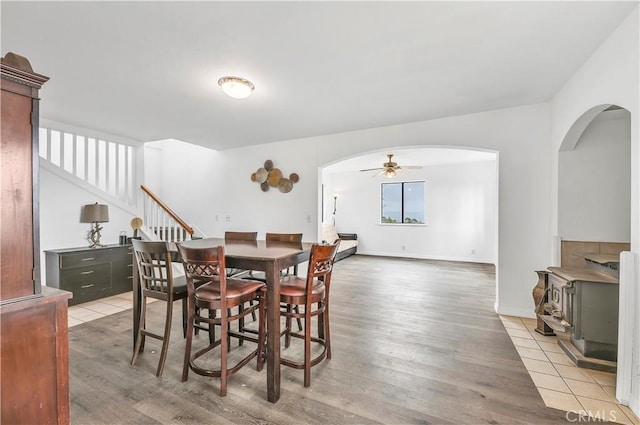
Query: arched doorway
[(594, 205), (461, 202)]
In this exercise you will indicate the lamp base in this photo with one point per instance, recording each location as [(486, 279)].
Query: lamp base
[(94, 236)]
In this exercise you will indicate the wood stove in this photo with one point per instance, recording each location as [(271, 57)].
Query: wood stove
[(581, 306)]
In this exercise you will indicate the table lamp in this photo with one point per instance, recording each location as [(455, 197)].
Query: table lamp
[(95, 213)]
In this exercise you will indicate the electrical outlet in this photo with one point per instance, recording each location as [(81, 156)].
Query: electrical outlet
[(216, 217), (404, 247), (473, 252), (228, 218), (308, 219)]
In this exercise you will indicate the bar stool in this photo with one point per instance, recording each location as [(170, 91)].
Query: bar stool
[(157, 281), (311, 293), (219, 294)]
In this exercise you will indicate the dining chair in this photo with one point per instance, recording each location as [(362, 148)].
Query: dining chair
[(285, 237), (240, 236), (312, 294), (219, 295), (246, 237), (157, 281)]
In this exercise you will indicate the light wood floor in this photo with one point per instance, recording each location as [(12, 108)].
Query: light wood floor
[(414, 342)]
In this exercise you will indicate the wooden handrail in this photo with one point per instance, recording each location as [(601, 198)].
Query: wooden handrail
[(168, 210)]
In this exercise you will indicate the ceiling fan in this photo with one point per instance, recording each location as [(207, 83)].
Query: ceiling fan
[(390, 167)]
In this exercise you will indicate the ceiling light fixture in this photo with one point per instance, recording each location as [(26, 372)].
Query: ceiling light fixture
[(389, 172), (236, 87)]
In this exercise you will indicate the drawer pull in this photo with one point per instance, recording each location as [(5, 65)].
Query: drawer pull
[(88, 272), (88, 259), (87, 286)]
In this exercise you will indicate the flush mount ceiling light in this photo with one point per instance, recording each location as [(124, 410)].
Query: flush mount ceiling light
[(236, 87)]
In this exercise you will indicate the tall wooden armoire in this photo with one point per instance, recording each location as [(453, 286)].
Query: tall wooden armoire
[(34, 354)]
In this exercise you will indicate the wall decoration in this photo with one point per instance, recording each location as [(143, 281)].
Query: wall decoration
[(268, 176)]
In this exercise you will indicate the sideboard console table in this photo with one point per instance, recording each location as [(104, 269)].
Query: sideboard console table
[(90, 273)]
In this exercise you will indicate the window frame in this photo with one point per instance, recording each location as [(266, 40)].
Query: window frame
[(402, 206)]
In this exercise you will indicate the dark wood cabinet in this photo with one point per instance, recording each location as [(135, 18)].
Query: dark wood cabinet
[(35, 360), (90, 273), (19, 236), (34, 337)]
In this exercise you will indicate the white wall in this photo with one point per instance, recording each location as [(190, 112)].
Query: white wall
[(214, 191), (186, 177), (594, 182), (610, 76), (460, 212), (60, 206), (520, 136)]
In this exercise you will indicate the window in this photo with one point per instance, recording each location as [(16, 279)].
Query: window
[(402, 202)]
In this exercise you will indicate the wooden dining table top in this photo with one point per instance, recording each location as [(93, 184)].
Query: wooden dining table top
[(254, 250)]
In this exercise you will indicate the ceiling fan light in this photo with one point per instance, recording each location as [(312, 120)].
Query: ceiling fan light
[(236, 87), (389, 173)]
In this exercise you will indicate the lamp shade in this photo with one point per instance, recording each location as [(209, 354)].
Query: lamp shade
[(95, 213)]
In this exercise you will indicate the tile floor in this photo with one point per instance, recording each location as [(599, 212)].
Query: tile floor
[(92, 310), (560, 383)]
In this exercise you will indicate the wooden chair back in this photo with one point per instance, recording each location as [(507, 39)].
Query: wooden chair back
[(283, 237), (321, 264), (205, 265), (241, 236), (154, 268)]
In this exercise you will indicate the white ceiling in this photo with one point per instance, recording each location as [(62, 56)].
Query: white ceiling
[(148, 70), (411, 157)]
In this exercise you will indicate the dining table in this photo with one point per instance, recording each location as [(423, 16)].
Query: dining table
[(266, 256)]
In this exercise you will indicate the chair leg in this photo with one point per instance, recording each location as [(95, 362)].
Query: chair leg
[(165, 337), (143, 315), (224, 347), (307, 348), (253, 313), (297, 310), (212, 327), (187, 349), (287, 328), (327, 333), (240, 323), (185, 317), (261, 332)]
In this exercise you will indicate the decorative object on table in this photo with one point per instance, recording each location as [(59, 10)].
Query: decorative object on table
[(540, 295), (269, 176), (95, 213), (136, 224), (390, 167)]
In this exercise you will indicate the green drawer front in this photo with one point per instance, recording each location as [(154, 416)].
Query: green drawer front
[(87, 283), (85, 258), (84, 278)]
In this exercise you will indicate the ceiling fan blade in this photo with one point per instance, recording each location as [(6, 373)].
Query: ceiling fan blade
[(411, 167), (372, 169)]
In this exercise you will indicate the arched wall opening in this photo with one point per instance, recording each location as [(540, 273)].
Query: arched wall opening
[(461, 202), (594, 177), (594, 205)]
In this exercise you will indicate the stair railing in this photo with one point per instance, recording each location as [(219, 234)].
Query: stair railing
[(162, 220)]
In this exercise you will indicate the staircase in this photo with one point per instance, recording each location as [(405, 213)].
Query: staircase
[(107, 168), (161, 222)]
